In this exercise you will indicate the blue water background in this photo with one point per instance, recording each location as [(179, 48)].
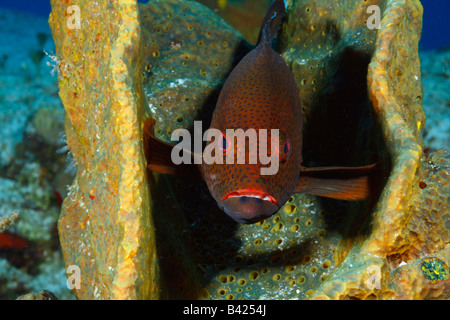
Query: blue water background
[(435, 34)]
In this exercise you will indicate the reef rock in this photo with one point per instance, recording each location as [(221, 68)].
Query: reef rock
[(139, 235)]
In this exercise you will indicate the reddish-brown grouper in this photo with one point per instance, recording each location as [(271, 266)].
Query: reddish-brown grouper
[(260, 93)]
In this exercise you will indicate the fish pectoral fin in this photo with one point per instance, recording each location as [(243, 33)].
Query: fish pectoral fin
[(159, 155), (343, 183)]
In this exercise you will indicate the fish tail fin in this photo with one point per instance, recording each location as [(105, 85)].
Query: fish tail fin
[(343, 183), (157, 152), (271, 22), (159, 155)]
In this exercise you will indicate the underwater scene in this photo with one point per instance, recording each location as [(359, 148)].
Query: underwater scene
[(99, 200)]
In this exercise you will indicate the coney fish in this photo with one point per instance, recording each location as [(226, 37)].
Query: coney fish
[(260, 93)]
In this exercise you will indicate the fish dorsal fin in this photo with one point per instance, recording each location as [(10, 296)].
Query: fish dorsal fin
[(343, 183), (271, 22), (159, 155)]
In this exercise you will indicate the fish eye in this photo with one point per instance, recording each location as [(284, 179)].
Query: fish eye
[(225, 144), (287, 149)]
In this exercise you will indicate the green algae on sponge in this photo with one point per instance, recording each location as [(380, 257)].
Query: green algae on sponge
[(434, 269)]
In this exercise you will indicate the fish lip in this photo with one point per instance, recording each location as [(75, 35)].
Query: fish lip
[(235, 216), (251, 193)]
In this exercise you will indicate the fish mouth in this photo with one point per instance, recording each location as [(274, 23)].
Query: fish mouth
[(249, 206), (252, 194)]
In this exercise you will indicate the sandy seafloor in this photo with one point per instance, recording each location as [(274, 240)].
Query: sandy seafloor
[(33, 157)]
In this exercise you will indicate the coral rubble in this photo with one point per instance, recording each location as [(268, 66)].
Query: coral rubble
[(41, 295), (30, 256), (8, 220)]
